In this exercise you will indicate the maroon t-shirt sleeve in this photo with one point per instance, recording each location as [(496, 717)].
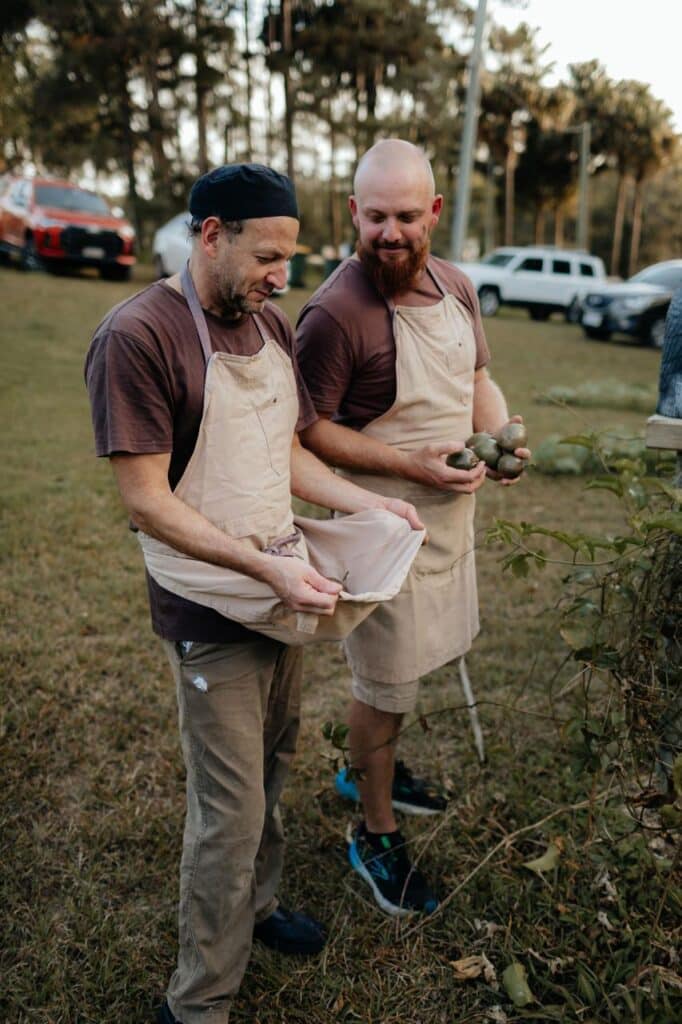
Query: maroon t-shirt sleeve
[(130, 396), (482, 350), (325, 357)]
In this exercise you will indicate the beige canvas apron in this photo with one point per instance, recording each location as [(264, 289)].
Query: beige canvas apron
[(435, 616), (238, 477)]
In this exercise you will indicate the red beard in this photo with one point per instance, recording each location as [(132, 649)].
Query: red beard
[(391, 278)]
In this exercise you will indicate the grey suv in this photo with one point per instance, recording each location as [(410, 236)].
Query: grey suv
[(637, 307)]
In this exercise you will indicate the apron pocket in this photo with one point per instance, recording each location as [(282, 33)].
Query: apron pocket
[(278, 423)]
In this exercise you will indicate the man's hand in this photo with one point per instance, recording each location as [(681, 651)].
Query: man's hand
[(521, 453), (427, 466), (405, 511), (301, 587)]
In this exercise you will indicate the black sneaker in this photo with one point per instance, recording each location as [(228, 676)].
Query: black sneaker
[(398, 888), (290, 931), (409, 795)]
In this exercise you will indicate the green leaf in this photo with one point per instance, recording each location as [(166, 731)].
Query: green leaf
[(547, 862), (606, 483), (578, 636), (516, 985), (671, 521), (586, 988), (582, 440), (518, 565), (675, 493)]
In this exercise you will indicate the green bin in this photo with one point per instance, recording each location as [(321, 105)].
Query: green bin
[(297, 266), (330, 265)]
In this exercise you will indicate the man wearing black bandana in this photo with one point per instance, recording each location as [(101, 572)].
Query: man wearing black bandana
[(171, 374)]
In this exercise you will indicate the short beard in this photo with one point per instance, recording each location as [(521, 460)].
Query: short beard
[(230, 303), (392, 278)]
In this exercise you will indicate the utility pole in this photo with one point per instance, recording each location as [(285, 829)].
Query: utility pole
[(583, 186), (461, 214)]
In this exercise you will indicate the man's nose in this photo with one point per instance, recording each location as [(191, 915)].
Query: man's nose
[(277, 277), (391, 230)]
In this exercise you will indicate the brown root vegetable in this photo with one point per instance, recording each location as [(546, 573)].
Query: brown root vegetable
[(466, 459), (509, 466), (486, 447), (512, 436)]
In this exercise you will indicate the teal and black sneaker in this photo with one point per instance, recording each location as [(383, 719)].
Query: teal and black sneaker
[(382, 861), (409, 795)]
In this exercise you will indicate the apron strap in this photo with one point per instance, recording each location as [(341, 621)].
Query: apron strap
[(199, 317)]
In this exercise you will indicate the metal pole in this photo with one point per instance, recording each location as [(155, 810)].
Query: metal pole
[(467, 689), (461, 213), (583, 201)]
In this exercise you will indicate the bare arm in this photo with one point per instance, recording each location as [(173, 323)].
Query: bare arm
[(490, 407), (491, 413), (314, 481), (143, 484), (341, 446)]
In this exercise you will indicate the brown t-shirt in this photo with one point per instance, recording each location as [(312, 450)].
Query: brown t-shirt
[(345, 345), (145, 377)]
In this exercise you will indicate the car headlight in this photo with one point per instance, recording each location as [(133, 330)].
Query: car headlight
[(635, 304), (125, 231)]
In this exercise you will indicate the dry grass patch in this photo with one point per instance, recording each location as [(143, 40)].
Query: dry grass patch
[(93, 783)]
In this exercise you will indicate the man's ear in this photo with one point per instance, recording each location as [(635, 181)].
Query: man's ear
[(436, 210), (353, 207), (210, 232)]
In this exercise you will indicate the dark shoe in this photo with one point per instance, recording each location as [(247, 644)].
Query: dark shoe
[(382, 861), (289, 931), (165, 1016), (409, 795)]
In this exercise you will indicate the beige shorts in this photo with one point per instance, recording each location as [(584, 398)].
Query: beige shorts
[(397, 698)]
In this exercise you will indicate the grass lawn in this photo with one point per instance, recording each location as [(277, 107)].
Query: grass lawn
[(93, 799)]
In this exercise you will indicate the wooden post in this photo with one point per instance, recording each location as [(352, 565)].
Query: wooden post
[(666, 432)]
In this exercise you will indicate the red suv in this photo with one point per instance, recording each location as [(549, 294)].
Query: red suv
[(52, 223)]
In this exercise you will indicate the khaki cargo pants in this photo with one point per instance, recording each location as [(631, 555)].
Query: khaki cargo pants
[(239, 717)]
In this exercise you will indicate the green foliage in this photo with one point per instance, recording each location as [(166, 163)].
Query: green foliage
[(620, 614)]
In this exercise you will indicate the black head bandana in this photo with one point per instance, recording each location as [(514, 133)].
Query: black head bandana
[(243, 192)]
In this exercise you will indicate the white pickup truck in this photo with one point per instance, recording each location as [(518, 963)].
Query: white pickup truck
[(541, 279)]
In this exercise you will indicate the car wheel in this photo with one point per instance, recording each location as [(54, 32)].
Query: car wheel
[(597, 333), (115, 273), (489, 299), (28, 258), (573, 310), (656, 333), (538, 313), (159, 268)]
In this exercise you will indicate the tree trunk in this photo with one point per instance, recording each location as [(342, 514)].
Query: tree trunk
[(636, 227), (618, 223), (249, 85), (157, 128), (129, 151), (288, 93), (334, 208), (539, 229), (559, 218), (509, 172), (201, 90), (489, 223)]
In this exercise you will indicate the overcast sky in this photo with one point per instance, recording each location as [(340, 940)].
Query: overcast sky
[(640, 39)]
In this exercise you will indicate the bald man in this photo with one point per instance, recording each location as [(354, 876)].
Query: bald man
[(394, 355)]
